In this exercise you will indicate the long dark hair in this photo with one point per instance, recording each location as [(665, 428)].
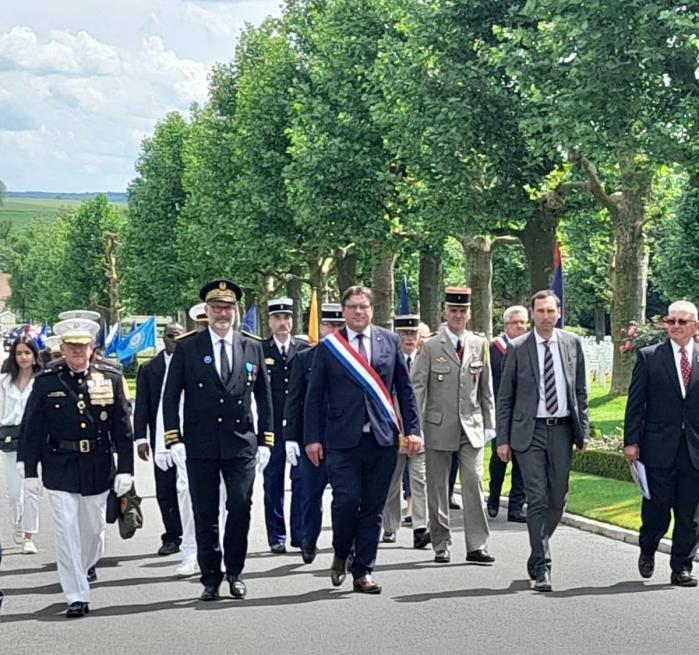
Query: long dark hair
[(10, 364)]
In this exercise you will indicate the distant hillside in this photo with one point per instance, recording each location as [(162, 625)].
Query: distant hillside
[(22, 211), (112, 196)]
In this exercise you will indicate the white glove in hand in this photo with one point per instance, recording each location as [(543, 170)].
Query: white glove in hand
[(262, 457), (489, 434), (122, 483), (33, 486), (179, 455), (292, 452), (20, 469), (163, 460)]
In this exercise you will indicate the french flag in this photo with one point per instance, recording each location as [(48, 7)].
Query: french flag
[(557, 280)]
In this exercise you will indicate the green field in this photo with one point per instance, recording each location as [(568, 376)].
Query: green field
[(22, 211)]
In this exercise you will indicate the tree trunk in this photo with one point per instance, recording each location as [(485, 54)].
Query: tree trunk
[(346, 270), (600, 323), (628, 273), (262, 311), (430, 287), (113, 279), (382, 286), (539, 239), (293, 288), (479, 258)]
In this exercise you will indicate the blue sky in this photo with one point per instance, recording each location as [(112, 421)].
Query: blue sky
[(83, 81)]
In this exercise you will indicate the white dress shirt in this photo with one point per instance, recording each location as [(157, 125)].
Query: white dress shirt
[(12, 400), (286, 345), (454, 338), (690, 354), (561, 394), (354, 342), (216, 341)]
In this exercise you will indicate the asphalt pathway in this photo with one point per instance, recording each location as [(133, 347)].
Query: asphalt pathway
[(599, 603)]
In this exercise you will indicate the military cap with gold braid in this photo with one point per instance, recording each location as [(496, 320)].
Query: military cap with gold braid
[(221, 291)]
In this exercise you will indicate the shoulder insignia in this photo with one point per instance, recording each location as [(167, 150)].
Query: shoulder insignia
[(51, 370), (185, 335), (250, 335)]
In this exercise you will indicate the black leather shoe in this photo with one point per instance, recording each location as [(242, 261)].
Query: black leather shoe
[(407, 521), (168, 548), (453, 503), (308, 553), (543, 581), (278, 549), (517, 517), (646, 565), (442, 556), (210, 592), (481, 556), (91, 574), (683, 579), (493, 509), (389, 537), (238, 588), (367, 585), (295, 544), (77, 610), (530, 568), (421, 539), (338, 571)]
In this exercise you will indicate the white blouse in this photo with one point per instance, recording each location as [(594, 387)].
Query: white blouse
[(12, 400)]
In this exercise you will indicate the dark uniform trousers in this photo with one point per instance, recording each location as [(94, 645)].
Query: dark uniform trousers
[(308, 481), (280, 369), (149, 383), (220, 441)]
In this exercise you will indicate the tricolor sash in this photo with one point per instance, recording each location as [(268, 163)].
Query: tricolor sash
[(364, 375), (501, 343)]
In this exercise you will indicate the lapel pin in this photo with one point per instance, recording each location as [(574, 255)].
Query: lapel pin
[(207, 359)]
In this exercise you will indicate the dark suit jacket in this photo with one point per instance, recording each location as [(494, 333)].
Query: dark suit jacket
[(218, 422), (518, 397), (656, 412), (149, 387), (496, 360), (280, 376), (337, 407), (298, 385)]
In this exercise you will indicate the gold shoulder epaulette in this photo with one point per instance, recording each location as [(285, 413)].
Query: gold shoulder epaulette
[(185, 335)]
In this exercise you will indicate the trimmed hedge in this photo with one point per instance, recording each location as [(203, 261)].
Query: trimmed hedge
[(604, 463)]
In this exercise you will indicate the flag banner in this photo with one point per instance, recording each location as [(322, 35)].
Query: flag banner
[(313, 334), (404, 304), (112, 340), (557, 281), (249, 323), (137, 340)]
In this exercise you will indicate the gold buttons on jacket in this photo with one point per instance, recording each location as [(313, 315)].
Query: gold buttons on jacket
[(83, 425)]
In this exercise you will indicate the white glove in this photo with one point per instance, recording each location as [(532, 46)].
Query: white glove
[(179, 455), (20, 469), (489, 434), (122, 483), (292, 452), (262, 457), (163, 460), (33, 486)]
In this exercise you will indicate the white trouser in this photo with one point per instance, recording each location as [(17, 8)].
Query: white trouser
[(23, 504), (188, 547), (79, 526)]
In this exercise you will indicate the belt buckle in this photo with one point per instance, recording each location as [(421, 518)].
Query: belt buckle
[(84, 445), (551, 421)]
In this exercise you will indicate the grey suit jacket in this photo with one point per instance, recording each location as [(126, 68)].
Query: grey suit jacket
[(518, 396)]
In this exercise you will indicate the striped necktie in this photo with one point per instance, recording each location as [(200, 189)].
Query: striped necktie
[(550, 398)]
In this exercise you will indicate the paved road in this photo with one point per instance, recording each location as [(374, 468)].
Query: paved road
[(599, 605)]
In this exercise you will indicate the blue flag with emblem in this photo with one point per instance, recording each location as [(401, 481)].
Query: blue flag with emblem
[(250, 320), (404, 304), (138, 339)]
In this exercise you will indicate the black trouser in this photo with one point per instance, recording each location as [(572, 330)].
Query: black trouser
[(545, 467), (498, 469), (204, 480), (453, 472), (675, 488), (360, 478), (166, 495)]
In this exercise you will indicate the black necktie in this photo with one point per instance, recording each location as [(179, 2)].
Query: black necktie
[(225, 364), (460, 350), (550, 397), (283, 353), (361, 349), (409, 362)]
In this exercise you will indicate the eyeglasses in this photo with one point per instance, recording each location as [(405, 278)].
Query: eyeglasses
[(229, 307), (676, 321), (361, 308), (170, 336)]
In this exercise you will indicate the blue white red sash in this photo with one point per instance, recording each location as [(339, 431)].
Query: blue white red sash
[(501, 343), (365, 376)]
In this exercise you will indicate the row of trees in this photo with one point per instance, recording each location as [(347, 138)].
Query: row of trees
[(453, 141)]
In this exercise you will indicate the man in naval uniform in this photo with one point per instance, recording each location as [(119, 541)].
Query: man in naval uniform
[(77, 417), (219, 370), (280, 352)]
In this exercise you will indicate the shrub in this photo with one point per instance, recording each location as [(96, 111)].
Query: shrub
[(604, 463)]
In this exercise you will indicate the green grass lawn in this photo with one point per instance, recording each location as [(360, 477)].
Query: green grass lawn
[(22, 211), (606, 414)]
